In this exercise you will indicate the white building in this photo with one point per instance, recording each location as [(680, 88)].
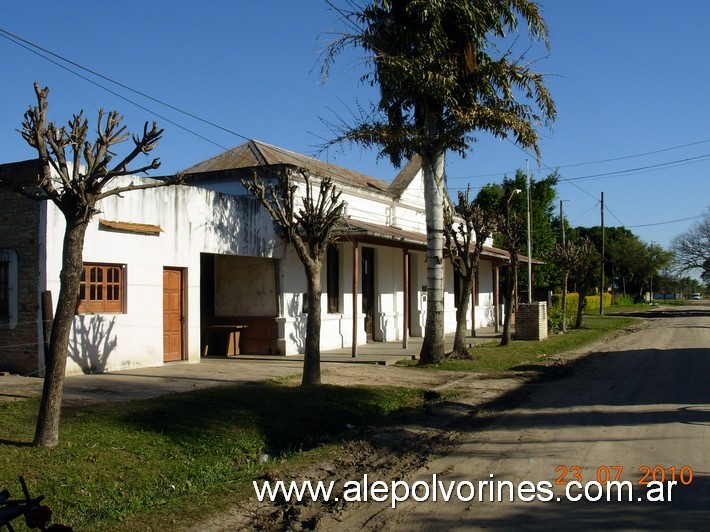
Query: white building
[(175, 273)]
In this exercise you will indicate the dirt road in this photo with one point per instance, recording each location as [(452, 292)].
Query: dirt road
[(640, 402)]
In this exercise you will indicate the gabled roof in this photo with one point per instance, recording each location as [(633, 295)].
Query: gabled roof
[(253, 154), (405, 176)]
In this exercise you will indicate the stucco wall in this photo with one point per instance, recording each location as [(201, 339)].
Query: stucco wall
[(246, 286), (192, 221)]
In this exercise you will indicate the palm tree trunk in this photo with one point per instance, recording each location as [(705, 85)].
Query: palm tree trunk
[(432, 351), (47, 430)]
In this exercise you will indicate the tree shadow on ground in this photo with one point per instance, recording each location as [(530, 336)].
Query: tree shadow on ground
[(668, 313), (287, 418)]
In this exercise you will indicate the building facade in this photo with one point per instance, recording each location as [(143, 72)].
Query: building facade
[(176, 273)]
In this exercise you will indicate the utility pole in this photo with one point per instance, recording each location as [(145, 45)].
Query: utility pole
[(527, 183), (601, 291), (562, 224), (565, 271)]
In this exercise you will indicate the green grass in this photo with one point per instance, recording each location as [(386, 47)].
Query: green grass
[(169, 459), (153, 464), (531, 355)]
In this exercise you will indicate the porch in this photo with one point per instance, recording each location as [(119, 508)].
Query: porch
[(381, 353)]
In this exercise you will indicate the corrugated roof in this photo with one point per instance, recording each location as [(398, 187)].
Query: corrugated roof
[(255, 153)]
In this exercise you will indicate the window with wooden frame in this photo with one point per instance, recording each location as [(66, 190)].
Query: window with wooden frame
[(102, 289), (4, 292), (333, 279)]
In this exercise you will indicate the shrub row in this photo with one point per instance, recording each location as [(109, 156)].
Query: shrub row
[(555, 311)]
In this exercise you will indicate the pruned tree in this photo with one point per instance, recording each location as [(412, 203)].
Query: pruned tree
[(466, 230), (76, 175), (565, 256), (441, 77), (586, 268), (308, 224), (510, 223)]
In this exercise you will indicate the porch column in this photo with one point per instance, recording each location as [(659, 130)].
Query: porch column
[(515, 294), (496, 297), (405, 292), (356, 275)]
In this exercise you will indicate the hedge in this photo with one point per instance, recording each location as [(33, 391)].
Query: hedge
[(554, 314), (573, 301)]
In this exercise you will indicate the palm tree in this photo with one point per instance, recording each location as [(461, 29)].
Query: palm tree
[(441, 79)]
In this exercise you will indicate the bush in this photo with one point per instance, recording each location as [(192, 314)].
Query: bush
[(554, 313), (624, 300), (593, 301)]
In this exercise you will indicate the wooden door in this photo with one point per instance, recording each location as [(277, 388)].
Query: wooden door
[(173, 314), (368, 290)]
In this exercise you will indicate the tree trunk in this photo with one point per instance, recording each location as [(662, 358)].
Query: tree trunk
[(563, 326), (311, 356), (582, 303), (433, 345), (47, 431), (460, 349), (509, 289)]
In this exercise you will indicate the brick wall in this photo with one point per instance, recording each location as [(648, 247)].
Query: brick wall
[(531, 321), (19, 231)]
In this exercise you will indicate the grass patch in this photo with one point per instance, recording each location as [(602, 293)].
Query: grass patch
[(529, 355), (154, 462)]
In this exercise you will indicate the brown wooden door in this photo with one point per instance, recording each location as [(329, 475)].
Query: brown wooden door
[(173, 315), (368, 289)]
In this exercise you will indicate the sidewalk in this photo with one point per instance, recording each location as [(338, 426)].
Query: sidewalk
[(141, 383), (381, 353)]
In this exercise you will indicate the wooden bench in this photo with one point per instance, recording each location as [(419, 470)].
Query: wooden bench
[(223, 340)]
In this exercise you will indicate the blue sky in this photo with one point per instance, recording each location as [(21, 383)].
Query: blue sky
[(629, 78)]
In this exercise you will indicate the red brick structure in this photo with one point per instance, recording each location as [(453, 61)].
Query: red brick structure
[(21, 242)]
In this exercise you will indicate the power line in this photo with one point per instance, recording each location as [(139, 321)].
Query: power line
[(640, 168), (668, 222), (552, 170), (637, 155), (7, 35), (4, 34), (588, 163)]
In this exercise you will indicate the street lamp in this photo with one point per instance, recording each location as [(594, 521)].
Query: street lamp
[(513, 193)]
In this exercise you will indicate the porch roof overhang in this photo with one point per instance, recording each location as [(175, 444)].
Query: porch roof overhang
[(131, 227), (349, 230)]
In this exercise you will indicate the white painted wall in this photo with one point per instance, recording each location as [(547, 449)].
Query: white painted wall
[(196, 220), (246, 286), (193, 221)]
